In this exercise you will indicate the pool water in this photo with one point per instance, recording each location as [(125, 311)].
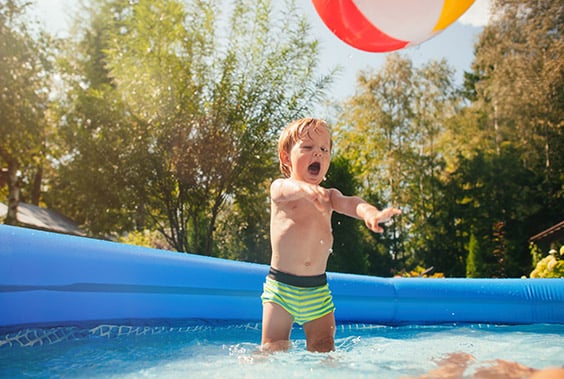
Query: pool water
[(228, 350)]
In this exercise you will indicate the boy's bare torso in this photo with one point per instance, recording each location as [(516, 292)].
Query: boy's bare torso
[(301, 237)]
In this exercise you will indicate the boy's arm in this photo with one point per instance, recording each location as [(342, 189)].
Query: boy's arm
[(354, 206), (284, 190)]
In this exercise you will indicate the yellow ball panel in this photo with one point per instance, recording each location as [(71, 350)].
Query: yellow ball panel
[(452, 10)]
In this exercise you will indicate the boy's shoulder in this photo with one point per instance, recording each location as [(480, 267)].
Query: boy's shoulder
[(277, 182)]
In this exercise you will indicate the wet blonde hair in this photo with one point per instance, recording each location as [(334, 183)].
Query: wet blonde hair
[(294, 132)]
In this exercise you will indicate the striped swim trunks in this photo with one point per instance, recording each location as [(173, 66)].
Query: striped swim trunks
[(305, 298)]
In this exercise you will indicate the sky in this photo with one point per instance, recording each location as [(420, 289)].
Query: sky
[(455, 44)]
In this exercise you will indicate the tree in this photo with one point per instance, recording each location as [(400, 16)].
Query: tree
[(101, 166), (24, 74), (212, 112), (377, 118), (496, 198), (519, 76), (243, 226), (350, 251), (398, 117), (474, 262), (196, 104), (512, 160)]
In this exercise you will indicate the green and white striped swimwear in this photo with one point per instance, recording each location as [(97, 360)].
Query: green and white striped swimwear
[(305, 298)]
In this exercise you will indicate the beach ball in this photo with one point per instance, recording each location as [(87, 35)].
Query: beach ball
[(388, 25)]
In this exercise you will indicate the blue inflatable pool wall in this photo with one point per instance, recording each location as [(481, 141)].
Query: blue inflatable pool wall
[(51, 279)]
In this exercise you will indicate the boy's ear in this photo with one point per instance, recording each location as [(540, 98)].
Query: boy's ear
[(285, 158)]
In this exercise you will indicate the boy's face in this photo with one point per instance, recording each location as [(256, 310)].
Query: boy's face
[(310, 157)]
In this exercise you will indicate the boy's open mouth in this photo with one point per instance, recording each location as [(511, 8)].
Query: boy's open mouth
[(314, 168)]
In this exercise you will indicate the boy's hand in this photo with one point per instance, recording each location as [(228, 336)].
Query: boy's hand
[(374, 217), (319, 196), (283, 190)]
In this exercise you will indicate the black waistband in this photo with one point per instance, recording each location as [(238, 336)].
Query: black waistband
[(298, 281)]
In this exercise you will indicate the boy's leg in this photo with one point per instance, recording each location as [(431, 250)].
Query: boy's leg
[(320, 334), (276, 328)]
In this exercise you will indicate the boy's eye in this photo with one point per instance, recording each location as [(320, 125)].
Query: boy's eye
[(325, 150)]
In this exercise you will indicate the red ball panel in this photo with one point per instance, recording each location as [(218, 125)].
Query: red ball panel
[(344, 19)]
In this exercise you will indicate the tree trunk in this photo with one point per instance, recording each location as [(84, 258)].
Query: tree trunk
[(13, 193), (36, 188)]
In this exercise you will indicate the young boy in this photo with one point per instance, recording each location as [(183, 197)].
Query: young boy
[(300, 228)]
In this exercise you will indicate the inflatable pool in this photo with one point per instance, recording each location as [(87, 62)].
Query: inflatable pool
[(49, 279)]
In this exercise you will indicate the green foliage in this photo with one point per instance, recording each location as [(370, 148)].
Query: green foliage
[(146, 238), (349, 249), (498, 199), (173, 116), (520, 79), (549, 267), (100, 165), (397, 119), (519, 66), (536, 254), (243, 227), (420, 272), (24, 87), (493, 167), (474, 262)]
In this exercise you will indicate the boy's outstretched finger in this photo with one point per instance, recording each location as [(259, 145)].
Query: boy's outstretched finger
[(374, 226), (388, 213)]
